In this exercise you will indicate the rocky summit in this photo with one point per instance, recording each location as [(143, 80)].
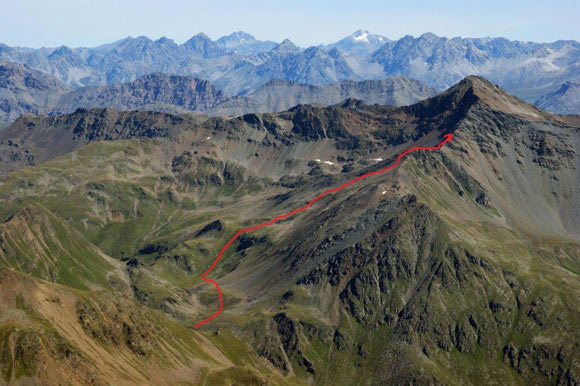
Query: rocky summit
[(461, 266)]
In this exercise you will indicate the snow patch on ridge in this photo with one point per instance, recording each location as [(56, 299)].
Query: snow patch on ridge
[(362, 37)]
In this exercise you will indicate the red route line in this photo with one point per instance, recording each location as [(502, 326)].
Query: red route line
[(448, 138)]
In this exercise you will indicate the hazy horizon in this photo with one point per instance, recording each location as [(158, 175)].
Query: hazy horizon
[(81, 23), (214, 38)]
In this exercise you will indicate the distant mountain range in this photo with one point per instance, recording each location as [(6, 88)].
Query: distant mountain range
[(157, 92), (565, 100), (278, 95), (23, 90), (239, 63)]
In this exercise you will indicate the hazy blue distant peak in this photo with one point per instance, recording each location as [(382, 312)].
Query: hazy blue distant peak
[(197, 38), (164, 40), (286, 46), (244, 43), (202, 45), (367, 37), (360, 43), (236, 37)]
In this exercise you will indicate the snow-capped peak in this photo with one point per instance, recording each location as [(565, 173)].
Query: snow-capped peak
[(361, 36)]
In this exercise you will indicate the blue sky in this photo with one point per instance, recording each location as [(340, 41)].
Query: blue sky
[(36, 23)]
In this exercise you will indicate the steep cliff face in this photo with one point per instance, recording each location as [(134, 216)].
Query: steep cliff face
[(460, 266)]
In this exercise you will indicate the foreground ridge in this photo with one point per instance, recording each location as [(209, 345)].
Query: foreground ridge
[(448, 139)]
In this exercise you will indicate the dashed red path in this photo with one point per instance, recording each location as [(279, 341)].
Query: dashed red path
[(448, 138)]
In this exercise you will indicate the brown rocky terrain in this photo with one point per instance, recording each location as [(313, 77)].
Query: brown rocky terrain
[(458, 267)]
